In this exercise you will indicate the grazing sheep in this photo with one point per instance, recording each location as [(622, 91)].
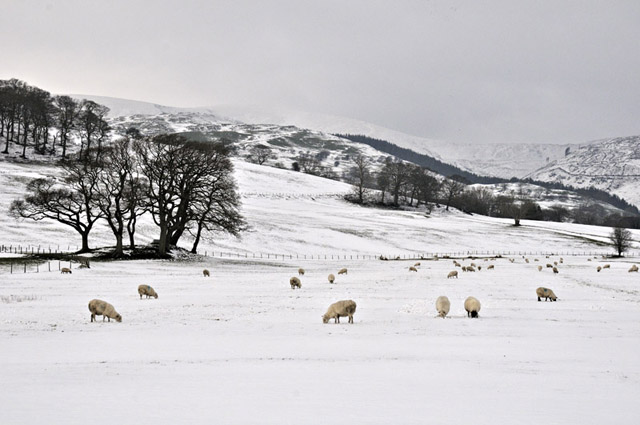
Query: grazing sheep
[(295, 282), (633, 268), (464, 268), (472, 305), (342, 271), (341, 308), (331, 278), (511, 260), (206, 273), (416, 265), (491, 267), (65, 270), (479, 268), (147, 290), (104, 309), (473, 264), (598, 269), (555, 263), (546, 293), (442, 306), (455, 263), (413, 269), (526, 260), (471, 269), (555, 270), (549, 266), (452, 274), (539, 268), (301, 272), (535, 259), (561, 260), (588, 259), (606, 266)]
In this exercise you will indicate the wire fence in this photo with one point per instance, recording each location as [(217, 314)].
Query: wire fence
[(25, 263)]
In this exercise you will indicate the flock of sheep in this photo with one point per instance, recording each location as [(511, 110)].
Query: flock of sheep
[(347, 308)]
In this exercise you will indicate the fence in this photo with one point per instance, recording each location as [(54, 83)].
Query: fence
[(33, 249)]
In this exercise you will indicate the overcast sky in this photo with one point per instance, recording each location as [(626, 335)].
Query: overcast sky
[(471, 71)]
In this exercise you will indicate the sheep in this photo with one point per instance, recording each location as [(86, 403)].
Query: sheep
[(473, 264), (206, 273), (416, 265), (342, 271), (471, 269), (479, 268), (413, 269), (491, 267), (472, 305), (555, 270), (341, 308), (511, 260), (561, 260), (633, 268), (539, 268), (535, 259), (555, 263), (452, 274), (65, 270), (464, 268), (526, 260), (455, 263), (598, 269), (588, 259), (606, 266), (104, 309), (295, 282), (442, 306), (301, 272), (549, 266), (331, 278), (546, 293), (147, 290)]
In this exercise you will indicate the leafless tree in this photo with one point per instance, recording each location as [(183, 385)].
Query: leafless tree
[(450, 190), (259, 154), (621, 239), (360, 176)]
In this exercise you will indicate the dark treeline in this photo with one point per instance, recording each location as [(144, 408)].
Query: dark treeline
[(421, 159), (31, 118)]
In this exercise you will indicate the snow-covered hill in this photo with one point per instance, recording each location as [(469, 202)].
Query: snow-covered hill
[(612, 165)]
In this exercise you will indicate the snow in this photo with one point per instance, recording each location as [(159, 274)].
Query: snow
[(243, 347)]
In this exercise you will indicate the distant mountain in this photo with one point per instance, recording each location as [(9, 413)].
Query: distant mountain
[(612, 165)]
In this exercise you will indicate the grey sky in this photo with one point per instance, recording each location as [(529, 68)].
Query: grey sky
[(476, 71)]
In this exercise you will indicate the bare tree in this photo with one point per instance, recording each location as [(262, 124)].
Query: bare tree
[(68, 110), (259, 154), (360, 176), (181, 174), (71, 203), (450, 190), (621, 239)]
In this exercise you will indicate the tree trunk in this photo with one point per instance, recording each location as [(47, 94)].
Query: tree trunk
[(131, 230), (163, 243), (85, 241), (119, 250), (194, 248)]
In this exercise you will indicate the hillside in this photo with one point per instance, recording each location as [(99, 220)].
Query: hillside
[(612, 165)]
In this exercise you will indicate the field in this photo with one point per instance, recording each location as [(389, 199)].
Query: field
[(242, 347)]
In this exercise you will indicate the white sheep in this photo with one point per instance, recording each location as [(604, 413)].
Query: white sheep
[(342, 271), (416, 265), (471, 269), (442, 306), (472, 305), (491, 267), (301, 271), (598, 269), (413, 269), (147, 290), (526, 260), (633, 268), (606, 266), (295, 283), (452, 274), (206, 273), (331, 278), (539, 268), (104, 309), (339, 309), (555, 270), (65, 270), (546, 293), (549, 266)]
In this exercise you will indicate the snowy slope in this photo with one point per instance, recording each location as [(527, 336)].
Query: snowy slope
[(612, 165)]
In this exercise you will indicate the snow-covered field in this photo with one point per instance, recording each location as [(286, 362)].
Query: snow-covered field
[(242, 347)]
